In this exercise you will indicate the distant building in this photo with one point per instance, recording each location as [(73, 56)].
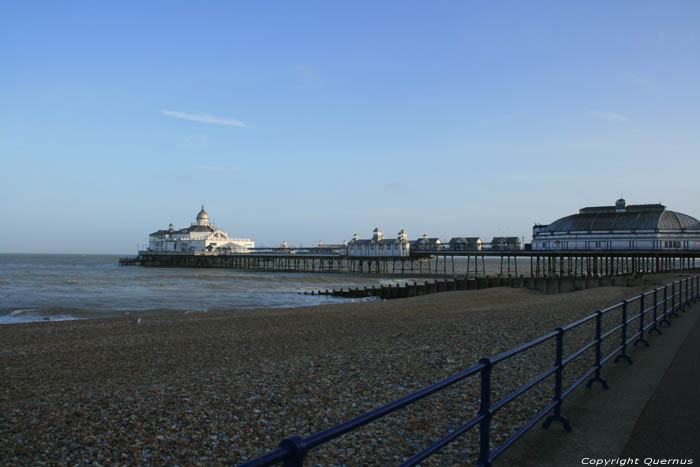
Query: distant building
[(505, 243), (201, 236), (620, 227), (379, 246), (328, 249), (465, 244), (426, 243)]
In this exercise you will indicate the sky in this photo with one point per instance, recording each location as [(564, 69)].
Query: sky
[(311, 121)]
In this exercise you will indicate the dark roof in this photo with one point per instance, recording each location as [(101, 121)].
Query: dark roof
[(505, 239), (639, 217), (198, 228), (192, 228), (160, 232), (465, 239)]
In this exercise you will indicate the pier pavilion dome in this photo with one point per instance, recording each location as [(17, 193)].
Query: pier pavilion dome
[(620, 227), (203, 217)]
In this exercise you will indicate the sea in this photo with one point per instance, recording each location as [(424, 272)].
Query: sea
[(41, 287)]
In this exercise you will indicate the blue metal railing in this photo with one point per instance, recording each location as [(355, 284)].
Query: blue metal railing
[(677, 296)]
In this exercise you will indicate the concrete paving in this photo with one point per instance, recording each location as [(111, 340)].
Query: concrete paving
[(652, 409)]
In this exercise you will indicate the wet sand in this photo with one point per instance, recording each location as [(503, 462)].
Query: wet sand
[(223, 387)]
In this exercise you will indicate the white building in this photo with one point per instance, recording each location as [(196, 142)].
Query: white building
[(620, 227), (201, 236), (379, 246)]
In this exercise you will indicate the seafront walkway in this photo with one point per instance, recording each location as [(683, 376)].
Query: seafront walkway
[(651, 411)]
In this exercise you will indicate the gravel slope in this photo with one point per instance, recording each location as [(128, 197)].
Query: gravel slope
[(220, 388)]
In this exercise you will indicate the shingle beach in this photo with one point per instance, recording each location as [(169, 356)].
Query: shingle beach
[(206, 388)]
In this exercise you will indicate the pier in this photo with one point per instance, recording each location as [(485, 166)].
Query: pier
[(440, 263)]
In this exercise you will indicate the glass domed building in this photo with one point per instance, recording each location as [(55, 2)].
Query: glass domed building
[(646, 227)]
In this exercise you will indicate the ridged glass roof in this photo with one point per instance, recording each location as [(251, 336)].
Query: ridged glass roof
[(631, 218)]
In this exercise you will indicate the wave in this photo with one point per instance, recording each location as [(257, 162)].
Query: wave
[(289, 300), (29, 315)]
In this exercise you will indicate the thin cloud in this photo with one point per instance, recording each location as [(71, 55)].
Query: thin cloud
[(205, 118), (610, 116)]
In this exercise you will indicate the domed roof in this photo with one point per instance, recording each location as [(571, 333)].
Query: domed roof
[(631, 217), (202, 214)]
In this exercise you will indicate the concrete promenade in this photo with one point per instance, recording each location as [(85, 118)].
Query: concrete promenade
[(652, 409)]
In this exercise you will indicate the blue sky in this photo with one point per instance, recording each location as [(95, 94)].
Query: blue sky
[(308, 121)]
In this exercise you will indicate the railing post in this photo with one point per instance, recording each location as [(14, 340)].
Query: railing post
[(297, 446), (558, 384), (641, 323), (687, 294), (665, 318), (656, 305), (598, 347), (485, 411), (623, 350), (673, 300)]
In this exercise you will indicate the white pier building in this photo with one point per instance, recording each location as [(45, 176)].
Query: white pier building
[(201, 236), (379, 246)]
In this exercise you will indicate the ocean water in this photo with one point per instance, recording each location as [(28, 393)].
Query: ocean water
[(36, 287), (60, 287)]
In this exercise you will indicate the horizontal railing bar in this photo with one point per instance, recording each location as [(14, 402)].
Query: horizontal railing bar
[(539, 416), (578, 352), (268, 459), (611, 307), (576, 383), (579, 322), (436, 446), (368, 417), (610, 355), (633, 318), (523, 347), (611, 331), (498, 405)]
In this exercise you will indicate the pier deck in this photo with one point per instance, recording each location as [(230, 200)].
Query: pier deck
[(576, 263)]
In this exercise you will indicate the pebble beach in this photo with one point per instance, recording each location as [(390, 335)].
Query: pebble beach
[(208, 388)]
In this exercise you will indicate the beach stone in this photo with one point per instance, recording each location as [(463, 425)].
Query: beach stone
[(180, 389)]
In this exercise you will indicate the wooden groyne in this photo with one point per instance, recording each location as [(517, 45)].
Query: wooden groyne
[(550, 285), (136, 261)]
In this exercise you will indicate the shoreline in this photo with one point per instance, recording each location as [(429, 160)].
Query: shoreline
[(227, 386)]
